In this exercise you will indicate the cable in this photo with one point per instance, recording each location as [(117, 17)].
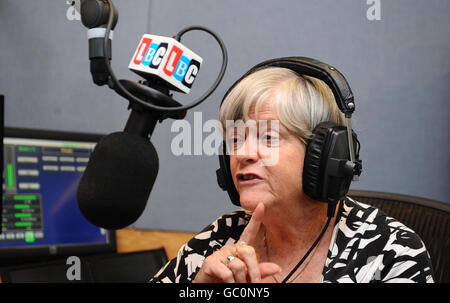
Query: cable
[(330, 216), (178, 36)]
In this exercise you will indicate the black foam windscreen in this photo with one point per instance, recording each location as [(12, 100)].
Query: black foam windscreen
[(118, 179)]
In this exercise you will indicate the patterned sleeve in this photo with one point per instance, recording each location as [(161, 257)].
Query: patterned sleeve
[(225, 230), (406, 258), (370, 246)]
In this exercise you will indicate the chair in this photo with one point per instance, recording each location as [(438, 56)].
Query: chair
[(428, 218)]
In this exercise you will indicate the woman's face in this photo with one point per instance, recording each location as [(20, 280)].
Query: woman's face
[(277, 182)]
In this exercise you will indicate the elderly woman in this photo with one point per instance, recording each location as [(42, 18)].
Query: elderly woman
[(280, 223)]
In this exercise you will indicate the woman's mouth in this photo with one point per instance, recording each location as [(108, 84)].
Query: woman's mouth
[(248, 179)]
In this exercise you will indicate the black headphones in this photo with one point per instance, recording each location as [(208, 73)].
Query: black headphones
[(331, 159)]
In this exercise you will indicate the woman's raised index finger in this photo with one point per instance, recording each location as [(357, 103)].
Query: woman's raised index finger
[(252, 228)]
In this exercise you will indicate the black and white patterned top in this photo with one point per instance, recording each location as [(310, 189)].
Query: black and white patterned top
[(366, 246)]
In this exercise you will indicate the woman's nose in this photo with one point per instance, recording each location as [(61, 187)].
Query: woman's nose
[(248, 152)]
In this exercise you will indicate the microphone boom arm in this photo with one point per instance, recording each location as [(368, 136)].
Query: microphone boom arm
[(93, 13), (142, 121)]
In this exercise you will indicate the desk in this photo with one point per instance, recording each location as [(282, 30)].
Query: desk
[(130, 240)]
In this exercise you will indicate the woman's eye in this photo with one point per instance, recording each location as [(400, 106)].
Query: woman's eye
[(236, 141), (270, 140)]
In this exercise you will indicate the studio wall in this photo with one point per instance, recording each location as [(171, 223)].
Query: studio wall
[(395, 57)]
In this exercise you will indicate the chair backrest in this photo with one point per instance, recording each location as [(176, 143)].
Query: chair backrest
[(428, 218)]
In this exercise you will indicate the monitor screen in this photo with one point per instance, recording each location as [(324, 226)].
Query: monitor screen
[(40, 215)]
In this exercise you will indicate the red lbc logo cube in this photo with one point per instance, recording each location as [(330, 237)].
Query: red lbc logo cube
[(168, 59)]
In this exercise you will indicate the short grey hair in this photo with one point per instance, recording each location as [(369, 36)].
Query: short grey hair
[(301, 102)]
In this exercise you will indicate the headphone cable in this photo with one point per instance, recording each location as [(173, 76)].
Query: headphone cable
[(330, 214)]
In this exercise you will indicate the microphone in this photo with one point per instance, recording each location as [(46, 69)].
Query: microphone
[(118, 179), (123, 167)]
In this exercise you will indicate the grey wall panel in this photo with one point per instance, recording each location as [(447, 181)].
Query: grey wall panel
[(45, 66), (398, 68)]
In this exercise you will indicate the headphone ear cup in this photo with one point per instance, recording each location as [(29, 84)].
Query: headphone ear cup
[(225, 179), (313, 165)]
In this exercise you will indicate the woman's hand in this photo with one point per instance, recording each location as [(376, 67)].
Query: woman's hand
[(238, 263)]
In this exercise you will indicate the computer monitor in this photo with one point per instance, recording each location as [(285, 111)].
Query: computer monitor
[(2, 125), (40, 216)]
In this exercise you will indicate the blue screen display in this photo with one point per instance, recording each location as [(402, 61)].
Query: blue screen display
[(40, 182)]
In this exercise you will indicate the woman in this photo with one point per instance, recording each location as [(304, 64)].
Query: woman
[(279, 223)]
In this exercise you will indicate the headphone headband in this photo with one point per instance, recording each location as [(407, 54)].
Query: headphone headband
[(317, 69)]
